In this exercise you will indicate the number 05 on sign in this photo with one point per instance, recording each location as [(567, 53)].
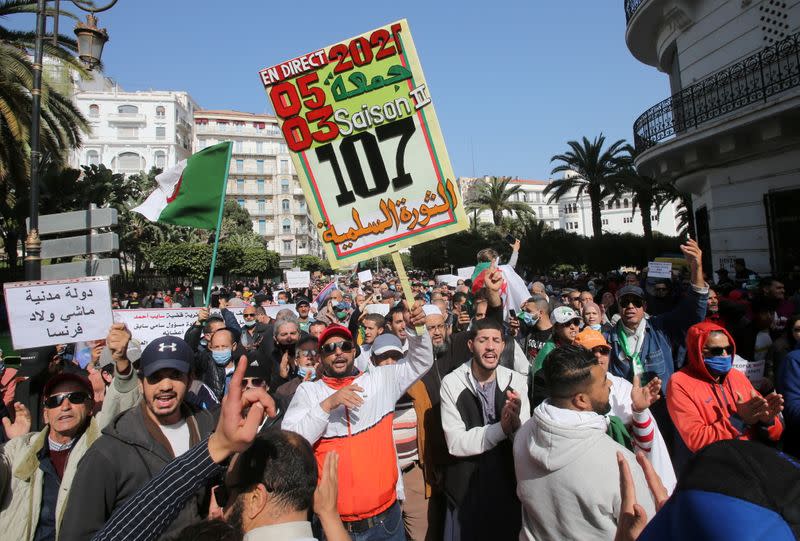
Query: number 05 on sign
[(358, 118)]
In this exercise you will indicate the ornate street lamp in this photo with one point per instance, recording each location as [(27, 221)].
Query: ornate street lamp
[(90, 41), (90, 47)]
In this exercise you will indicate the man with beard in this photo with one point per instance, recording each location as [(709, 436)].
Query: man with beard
[(139, 442), (483, 404), (254, 332), (349, 412), (374, 325), (396, 324), (303, 308), (564, 459)]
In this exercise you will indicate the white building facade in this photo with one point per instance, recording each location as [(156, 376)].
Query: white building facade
[(262, 179), (729, 133), (575, 215), (133, 131)]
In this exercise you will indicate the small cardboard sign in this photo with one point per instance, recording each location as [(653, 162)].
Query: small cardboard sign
[(659, 269)]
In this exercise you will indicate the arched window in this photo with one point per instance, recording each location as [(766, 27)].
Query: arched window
[(128, 110), (287, 226), (129, 162), (94, 110), (160, 159), (602, 204), (618, 205), (625, 203), (93, 157), (161, 112), (285, 205)]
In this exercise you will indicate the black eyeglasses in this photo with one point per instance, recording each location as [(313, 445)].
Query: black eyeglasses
[(248, 316), (345, 345), (307, 352), (602, 350), (255, 382), (636, 301), (75, 397), (576, 322), (718, 351)]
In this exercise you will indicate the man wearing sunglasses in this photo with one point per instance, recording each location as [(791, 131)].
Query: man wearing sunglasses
[(644, 346), (350, 412), (709, 400), (36, 468)]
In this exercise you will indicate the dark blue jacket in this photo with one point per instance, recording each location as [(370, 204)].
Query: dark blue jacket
[(661, 332), (788, 384)]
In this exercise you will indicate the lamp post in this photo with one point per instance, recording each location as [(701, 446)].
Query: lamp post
[(90, 46)]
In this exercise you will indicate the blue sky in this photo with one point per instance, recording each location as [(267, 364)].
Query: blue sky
[(512, 81)]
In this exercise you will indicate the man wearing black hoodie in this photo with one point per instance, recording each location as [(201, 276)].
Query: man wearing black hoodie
[(139, 442)]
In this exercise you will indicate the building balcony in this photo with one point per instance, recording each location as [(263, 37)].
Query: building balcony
[(750, 108), (652, 28), (126, 118), (756, 79)]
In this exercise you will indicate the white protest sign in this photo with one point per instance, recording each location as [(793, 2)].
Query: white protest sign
[(365, 276), (382, 309), (659, 269), (150, 323), (754, 370), (51, 312), (466, 272), (297, 279), (273, 309), (450, 279)]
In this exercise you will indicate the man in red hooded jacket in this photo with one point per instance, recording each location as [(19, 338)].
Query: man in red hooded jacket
[(709, 401)]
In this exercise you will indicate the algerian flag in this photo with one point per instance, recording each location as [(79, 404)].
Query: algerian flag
[(191, 193)]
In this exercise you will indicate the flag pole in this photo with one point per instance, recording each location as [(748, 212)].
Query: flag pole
[(219, 226)]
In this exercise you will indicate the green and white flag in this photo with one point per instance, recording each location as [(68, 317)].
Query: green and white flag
[(191, 193)]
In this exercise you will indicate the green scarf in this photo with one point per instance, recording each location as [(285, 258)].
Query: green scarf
[(618, 432)]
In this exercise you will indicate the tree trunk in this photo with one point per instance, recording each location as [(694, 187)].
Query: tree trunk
[(646, 207), (597, 221), (497, 217)]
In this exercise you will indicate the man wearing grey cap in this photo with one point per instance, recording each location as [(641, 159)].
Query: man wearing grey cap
[(139, 442), (643, 346)]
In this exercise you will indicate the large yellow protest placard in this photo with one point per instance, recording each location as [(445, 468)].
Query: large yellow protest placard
[(359, 121)]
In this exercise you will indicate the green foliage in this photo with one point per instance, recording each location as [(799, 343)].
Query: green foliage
[(542, 249), (312, 263), (496, 196), (194, 260), (235, 220)]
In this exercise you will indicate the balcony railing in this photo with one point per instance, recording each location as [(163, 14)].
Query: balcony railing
[(773, 70), (630, 8)]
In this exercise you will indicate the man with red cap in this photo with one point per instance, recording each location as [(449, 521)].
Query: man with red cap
[(37, 468), (350, 412)]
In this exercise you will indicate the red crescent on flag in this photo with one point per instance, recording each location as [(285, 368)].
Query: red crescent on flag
[(172, 197)]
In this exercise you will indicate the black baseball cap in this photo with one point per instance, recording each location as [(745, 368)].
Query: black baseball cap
[(636, 291), (166, 352), (300, 301)]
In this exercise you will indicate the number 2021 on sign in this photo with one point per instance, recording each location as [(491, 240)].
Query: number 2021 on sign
[(359, 122)]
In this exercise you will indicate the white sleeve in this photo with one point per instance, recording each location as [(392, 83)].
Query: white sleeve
[(414, 365), (305, 416), (521, 363), (460, 441)]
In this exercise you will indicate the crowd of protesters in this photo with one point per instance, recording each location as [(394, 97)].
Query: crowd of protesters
[(579, 406)]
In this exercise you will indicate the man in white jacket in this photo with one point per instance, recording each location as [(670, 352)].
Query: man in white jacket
[(566, 464), (483, 405)]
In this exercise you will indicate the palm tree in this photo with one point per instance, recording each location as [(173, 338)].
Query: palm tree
[(62, 124), (495, 195), (588, 169)]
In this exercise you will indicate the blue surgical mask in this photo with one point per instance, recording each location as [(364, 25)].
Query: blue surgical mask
[(529, 319), (250, 323), (203, 342), (302, 371), (719, 365), (281, 301), (596, 327), (221, 357)]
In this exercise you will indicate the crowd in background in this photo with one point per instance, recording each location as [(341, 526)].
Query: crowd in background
[(573, 406)]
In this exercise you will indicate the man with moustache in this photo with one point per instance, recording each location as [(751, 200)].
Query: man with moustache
[(350, 412), (139, 442), (483, 404)]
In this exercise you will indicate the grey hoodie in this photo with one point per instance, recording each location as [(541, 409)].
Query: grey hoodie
[(568, 477)]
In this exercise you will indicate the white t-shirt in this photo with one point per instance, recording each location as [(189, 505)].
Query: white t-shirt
[(178, 436)]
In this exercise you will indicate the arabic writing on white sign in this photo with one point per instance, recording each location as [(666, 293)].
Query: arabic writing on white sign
[(58, 311)]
